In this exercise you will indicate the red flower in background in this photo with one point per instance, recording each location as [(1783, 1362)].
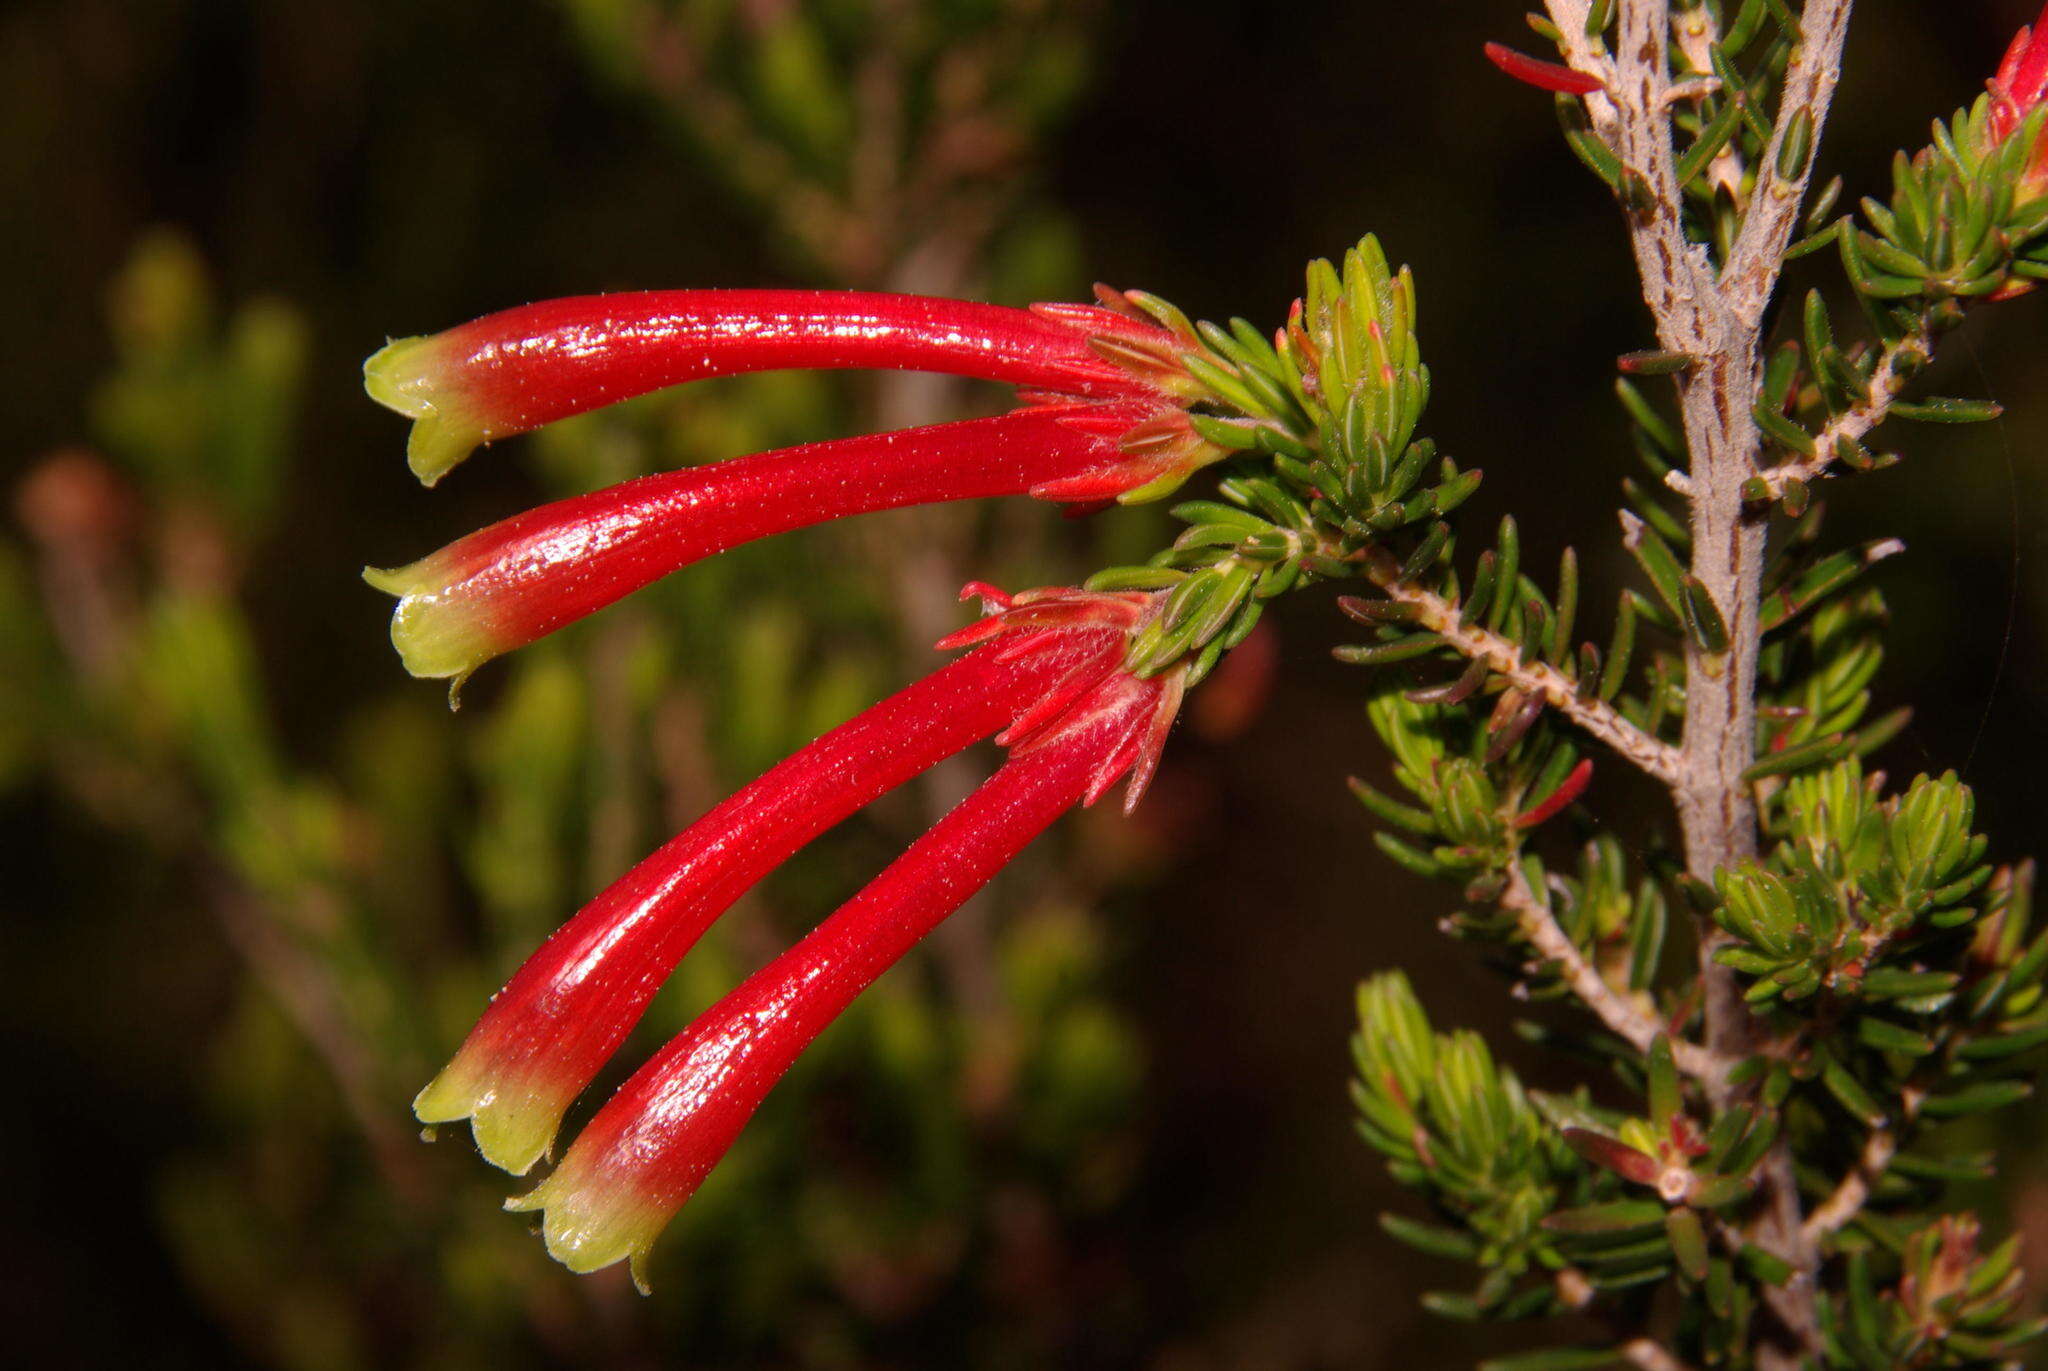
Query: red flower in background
[(1102, 418), (2019, 88)]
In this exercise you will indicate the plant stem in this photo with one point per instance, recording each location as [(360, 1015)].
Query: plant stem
[(1751, 276), (1716, 810), (1886, 381), (1621, 1014), (1648, 1355), (1850, 1195), (1560, 692), (1847, 1200), (1716, 317)]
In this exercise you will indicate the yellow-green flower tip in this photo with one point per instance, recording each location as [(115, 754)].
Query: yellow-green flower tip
[(513, 1128), (438, 637), (409, 375), (589, 1225)]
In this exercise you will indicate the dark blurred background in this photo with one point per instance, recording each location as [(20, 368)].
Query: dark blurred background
[(258, 883)]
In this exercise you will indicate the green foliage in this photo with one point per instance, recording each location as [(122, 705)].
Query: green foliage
[(1858, 884), (1861, 907), (1474, 792), (1451, 1121), (376, 883), (1329, 474), (202, 410), (1789, 1196), (858, 127), (1951, 1307), (379, 882), (1960, 223)]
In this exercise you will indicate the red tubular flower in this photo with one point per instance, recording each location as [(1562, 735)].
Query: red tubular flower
[(2020, 88), (518, 580), (652, 1144), (521, 368), (570, 1006), (1104, 418)]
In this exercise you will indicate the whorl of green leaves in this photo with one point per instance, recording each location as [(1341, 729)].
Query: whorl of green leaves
[(1958, 224), (1499, 597), (1554, 1198), (1856, 885), (1323, 418), (1471, 790), (1884, 912), (1221, 571), (1950, 1307), (1452, 1122), (1962, 224)]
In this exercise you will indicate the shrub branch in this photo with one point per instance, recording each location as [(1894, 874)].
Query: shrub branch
[(1886, 380), (1614, 1009), (1560, 692), (1715, 319)]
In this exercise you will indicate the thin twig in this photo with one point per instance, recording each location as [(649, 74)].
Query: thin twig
[(299, 985), (1650, 1355), (1751, 276), (1629, 115), (1848, 1197), (1853, 1192), (1698, 31), (1885, 384), (1603, 721), (1626, 1018)]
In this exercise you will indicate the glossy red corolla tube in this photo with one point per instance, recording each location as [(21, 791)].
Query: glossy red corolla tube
[(564, 1013), (524, 577), (651, 1145), (2020, 88), (521, 368)]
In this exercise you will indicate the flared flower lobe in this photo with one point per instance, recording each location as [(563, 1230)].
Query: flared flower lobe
[(1079, 701)]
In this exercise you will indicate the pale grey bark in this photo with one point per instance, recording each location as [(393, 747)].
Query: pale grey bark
[(1716, 317)]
